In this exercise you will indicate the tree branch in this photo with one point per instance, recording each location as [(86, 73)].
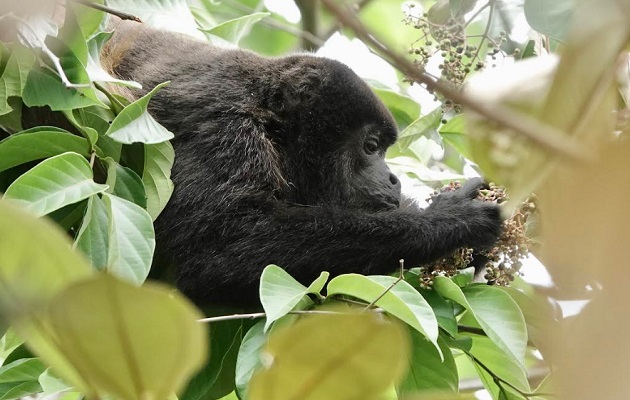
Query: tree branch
[(547, 137), (100, 7), (310, 22)]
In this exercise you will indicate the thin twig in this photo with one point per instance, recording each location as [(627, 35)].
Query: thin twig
[(263, 315), (400, 278), (100, 7), (484, 36), (479, 11), (546, 136)]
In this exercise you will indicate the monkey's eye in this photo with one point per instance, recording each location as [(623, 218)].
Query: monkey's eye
[(371, 146)]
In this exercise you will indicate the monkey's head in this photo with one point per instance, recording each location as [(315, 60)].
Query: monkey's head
[(335, 132)]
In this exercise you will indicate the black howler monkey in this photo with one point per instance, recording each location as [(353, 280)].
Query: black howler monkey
[(281, 160)]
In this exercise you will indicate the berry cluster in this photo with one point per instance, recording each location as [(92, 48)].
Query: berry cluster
[(502, 262), (460, 53)]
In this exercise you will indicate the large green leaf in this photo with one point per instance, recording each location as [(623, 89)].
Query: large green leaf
[(125, 183), (131, 239), (135, 124), (443, 310), (8, 343), (424, 126), (499, 362), (54, 183), (539, 318), (280, 292), (550, 18), (248, 360), (14, 75), (38, 143), (216, 378), (31, 275), (427, 371), (340, 356), (93, 236), (20, 378), (233, 30), (494, 310), (79, 25), (405, 109), (401, 300), (158, 161), (454, 133), (128, 342), (39, 273), (44, 88)]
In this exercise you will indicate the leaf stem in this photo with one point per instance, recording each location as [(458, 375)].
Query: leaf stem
[(400, 278)]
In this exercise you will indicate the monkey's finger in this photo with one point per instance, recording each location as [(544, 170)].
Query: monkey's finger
[(471, 188)]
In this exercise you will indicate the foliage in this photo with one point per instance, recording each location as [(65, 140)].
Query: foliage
[(99, 171)]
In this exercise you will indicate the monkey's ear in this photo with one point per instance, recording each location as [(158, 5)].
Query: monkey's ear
[(301, 86)]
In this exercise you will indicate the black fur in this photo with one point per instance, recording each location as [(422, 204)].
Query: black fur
[(273, 165)]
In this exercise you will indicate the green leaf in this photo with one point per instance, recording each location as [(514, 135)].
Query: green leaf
[(44, 88), (8, 343), (125, 183), (216, 378), (234, 29), (131, 240), (128, 361), (248, 360), (464, 276), (454, 133), (427, 371), (158, 162), (52, 385), (539, 318), (440, 12), (499, 362), (402, 300), (135, 124), (353, 356), (494, 310), (93, 236), (530, 50), (26, 369), (280, 292), (550, 18), (38, 143), (69, 215), (39, 272), (54, 183), (14, 76), (443, 311), (404, 108), (459, 8), (423, 126), (19, 379), (79, 24)]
